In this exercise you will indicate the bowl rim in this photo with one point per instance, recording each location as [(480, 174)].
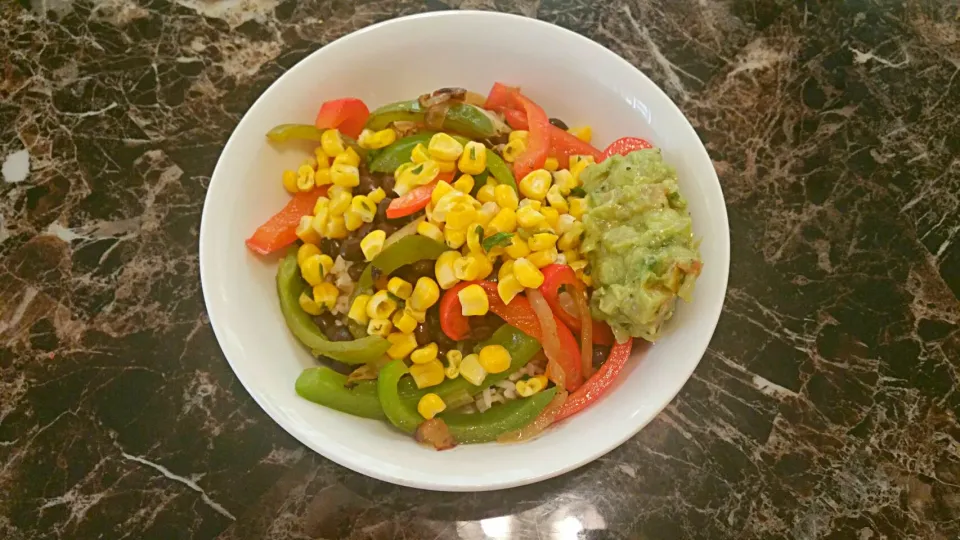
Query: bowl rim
[(359, 465)]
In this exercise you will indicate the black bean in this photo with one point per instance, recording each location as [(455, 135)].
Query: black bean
[(340, 333), (600, 354), (330, 246), (355, 270), (559, 123), (382, 206), (422, 333), (368, 182), (350, 249), (343, 369), (387, 182)]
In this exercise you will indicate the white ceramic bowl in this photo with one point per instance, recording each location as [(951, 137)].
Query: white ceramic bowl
[(572, 78)]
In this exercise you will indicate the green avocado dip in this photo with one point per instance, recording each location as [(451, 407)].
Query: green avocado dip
[(639, 240)]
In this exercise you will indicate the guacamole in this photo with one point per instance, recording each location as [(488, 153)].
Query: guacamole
[(639, 241)]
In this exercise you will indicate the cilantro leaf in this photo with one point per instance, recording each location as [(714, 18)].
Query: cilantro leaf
[(501, 239)]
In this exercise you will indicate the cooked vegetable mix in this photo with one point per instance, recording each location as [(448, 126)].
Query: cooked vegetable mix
[(467, 258)]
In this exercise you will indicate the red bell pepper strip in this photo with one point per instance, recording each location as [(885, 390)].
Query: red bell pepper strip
[(416, 199), (559, 275), (346, 114), (518, 314), (624, 146), (600, 383), (563, 144), (538, 140), (281, 229), (500, 97)]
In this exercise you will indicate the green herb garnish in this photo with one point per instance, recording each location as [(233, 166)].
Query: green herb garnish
[(501, 239)]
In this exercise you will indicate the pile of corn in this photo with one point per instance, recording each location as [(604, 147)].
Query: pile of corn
[(539, 227)]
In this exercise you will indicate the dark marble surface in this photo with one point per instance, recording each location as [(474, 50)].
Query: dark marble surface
[(826, 406)]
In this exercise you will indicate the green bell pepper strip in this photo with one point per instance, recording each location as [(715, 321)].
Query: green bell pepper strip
[(464, 118), (521, 347), (289, 287), (499, 419), (398, 153), (499, 169), (326, 387), (407, 250), (308, 132), (399, 412)]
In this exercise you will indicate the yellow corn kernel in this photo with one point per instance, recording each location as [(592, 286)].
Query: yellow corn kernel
[(308, 305), (504, 221), (571, 255), (518, 247), (419, 175), (312, 270), (379, 327), (430, 405), (305, 178), (364, 207), (505, 269), (425, 294), (443, 269), (521, 135), (339, 202), (322, 177), (578, 265), (417, 315), (348, 157), (569, 241), (404, 322), (474, 158), (576, 169), (380, 305), (495, 359), (425, 228), (400, 288), (323, 160), (564, 181), (531, 386), (427, 353), (427, 375), (377, 195), (487, 193), (444, 147), (401, 345), (586, 158), (506, 197), (529, 218), (461, 216), (374, 140), (551, 164), (471, 370), (535, 184), (528, 274), (344, 175), (551, 215), (543, 258), (508, 287), (441, 189), (305, 231), (352, 220), (474, 301), (454, 237), (454, 357), (453, 200), (358, 310), (475, 238), (486, 264), (419, 153), (332, 143), (531, 203), (578, 207), (584, 133), (468, 268), (305, 251), (513, 149), (556, 200), (290, 181), (326, 294), (542, 241), (372, 243), (464, 184), (322, 204), (336, 228), (487, 213)]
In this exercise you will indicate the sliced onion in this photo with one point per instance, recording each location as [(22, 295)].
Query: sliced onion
[(551, 337), (436, 433), (403, 232), (436, 114), (586, 331), (366, 372), (474, 98), (540, 423)]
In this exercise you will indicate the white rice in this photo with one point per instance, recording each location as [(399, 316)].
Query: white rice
[(503, 391)]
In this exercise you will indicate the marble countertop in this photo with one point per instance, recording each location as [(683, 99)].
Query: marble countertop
[(826, 406)]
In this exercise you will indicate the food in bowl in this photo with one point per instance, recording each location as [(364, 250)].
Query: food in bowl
[(445, 296)]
